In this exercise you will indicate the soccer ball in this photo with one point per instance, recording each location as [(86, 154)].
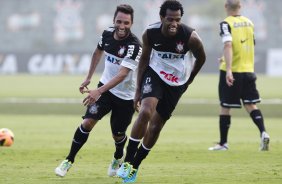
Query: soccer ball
[(6, 137)]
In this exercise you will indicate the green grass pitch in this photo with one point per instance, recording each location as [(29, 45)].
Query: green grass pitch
[(43, 134)]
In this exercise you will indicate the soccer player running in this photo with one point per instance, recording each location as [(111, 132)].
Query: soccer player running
[(165, 71), (115, 90), (237, 77)]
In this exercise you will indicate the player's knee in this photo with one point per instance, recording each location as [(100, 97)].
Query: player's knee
[(250, 107), (145, 113), (88, 124), (118, 136)]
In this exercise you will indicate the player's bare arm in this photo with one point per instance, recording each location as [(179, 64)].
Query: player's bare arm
[(227, 52), (197, 49), (143, 64), (95, 94), (94, 62)]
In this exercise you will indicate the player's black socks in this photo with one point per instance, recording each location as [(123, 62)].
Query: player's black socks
[(224, 124), (80, 137), (119, 147), (257, 117), (141, 154), (131, 149)]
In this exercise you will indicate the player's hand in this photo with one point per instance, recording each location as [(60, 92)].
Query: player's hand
[(220, 60), (137, 102), (92, 97), (83, 87), (229, 78)]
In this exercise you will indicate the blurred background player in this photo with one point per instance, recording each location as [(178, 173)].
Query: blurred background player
[(165, 71), (115, 90), (237, 77)]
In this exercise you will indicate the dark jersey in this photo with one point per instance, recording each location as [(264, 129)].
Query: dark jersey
[(119, 53), (170, 58)]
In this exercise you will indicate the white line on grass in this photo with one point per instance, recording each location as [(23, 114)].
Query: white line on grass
[(79, 101)]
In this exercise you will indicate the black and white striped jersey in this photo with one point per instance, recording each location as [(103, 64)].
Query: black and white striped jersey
[(119, 53), (170, 57)]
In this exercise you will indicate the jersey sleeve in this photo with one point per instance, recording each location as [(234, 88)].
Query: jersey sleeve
[(101, 43), (225, 32), (132, 57)]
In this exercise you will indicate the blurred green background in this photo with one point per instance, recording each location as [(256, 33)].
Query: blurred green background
[(58, 94)]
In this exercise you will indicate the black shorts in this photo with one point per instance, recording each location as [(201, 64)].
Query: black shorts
[(122, 111), (154, 86), (244, 87)]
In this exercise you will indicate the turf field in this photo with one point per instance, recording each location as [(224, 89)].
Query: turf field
[(43, 133)]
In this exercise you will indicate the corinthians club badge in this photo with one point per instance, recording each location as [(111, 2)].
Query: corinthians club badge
[(179, 47), (121, 51)]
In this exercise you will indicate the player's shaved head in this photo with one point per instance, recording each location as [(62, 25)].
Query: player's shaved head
[(233, 5)]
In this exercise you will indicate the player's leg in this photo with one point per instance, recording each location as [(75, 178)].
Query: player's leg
[(250, 98), (229, 98), (139, 128), (118, 157), (256, 116), (224, 125), (258, 120), (138, 131), (150, 93), (121, 117), (93, 114), (164, 109), (80, 137), (152, 134), (150, 138)]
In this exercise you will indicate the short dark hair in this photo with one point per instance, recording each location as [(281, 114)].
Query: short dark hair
[(125, 8), (172, 5)]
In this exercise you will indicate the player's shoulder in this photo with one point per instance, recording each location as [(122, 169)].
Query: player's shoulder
[(230, 19), (187, 28), (133, 40), (109, 31), (156, 25), (246, 19), (153, 30), (225, 23)]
